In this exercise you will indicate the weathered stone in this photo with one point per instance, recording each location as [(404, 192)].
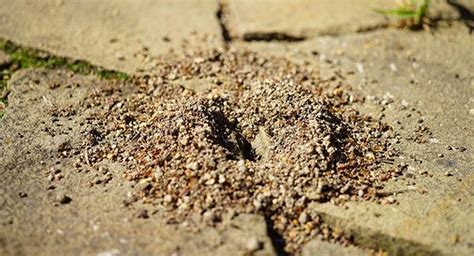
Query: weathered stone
[(262, 143), (96, 213), (323, 248), (431, 212), (288, 20), (113, 34)]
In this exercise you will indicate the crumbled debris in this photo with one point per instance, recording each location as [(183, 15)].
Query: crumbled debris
[(263, 135)]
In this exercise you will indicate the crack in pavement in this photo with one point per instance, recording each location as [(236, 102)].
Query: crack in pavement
[(465, 15), (271, 36), (367, 238), (222, 12)]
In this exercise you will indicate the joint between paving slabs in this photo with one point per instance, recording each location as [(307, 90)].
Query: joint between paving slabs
[(229, 33), (221, 15), (366, 238)]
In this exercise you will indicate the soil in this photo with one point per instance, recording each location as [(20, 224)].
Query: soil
[(237, 133), (227, 151)]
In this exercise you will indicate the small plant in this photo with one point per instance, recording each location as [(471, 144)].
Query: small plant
[(411, 13)]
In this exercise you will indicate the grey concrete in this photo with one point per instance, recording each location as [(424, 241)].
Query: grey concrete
[(309, 18), (432, 72), (96, 221), (323, 248), (112, 34), (434, 211)]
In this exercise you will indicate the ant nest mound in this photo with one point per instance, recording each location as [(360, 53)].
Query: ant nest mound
[(258, 135)]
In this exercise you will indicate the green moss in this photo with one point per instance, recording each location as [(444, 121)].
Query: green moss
[(31, 58), (23, 57), (411, 11)]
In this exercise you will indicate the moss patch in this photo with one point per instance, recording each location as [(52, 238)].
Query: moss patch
[(23, 57)]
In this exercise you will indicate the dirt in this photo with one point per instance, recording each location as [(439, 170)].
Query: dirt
[(237, 133), (50, 204), (232, 151)]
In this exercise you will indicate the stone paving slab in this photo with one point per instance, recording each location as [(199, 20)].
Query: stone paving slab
[(431, 72), (251, 19), (323, 248), (112, 34), (433, 212), (95, 220)]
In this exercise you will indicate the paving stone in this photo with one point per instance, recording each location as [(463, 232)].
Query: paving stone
[(434, 212), (432, 73), (433, 207), (262, 19), (112, 34), (96, 220), (323, 248)]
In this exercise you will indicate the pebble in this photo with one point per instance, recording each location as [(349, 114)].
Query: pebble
[(63, 199), (209, 216), (360, 67), (143, 214), (168, 199), (193, 166), (119, 56), (221, 179), (393, 67), (303, 218), (404, 104), (112, 252), (253, 244), (242, 167)]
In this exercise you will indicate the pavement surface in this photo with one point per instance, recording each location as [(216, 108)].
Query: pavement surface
[(250, 20), (113, 34), (49, 208), (410, 79), (417, 70)]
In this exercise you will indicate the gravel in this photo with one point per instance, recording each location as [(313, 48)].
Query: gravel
[(263, 135)]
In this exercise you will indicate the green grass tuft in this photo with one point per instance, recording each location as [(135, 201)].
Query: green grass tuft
[(411, 12)]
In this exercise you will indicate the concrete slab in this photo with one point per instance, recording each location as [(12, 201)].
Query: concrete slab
[(112, 34), (34, 217), (433, 74), (323, 248), (426, 80), (259, 19)]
